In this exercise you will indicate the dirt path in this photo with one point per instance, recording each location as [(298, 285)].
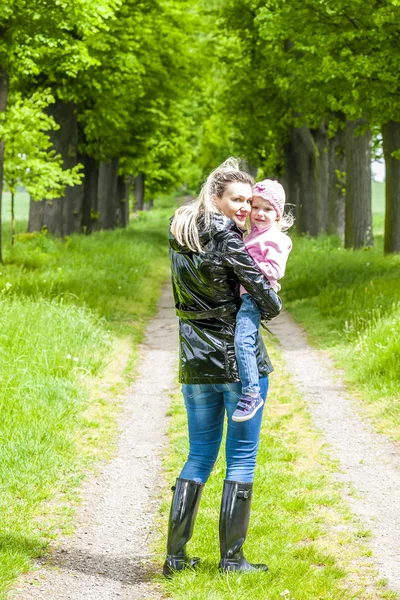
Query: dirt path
[(108, 557), (369, 463)]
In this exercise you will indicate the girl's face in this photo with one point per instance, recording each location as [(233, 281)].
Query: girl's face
[(263, 214), (235, 202)]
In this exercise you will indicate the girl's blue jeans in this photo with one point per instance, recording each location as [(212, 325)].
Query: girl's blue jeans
[(247, 326), (206, 405)]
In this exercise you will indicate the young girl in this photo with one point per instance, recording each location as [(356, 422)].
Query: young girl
[(269, 248)]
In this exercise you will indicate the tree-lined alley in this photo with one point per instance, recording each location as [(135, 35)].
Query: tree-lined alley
[(119, 95)]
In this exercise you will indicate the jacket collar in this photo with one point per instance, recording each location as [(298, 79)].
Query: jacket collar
[(218, 223)]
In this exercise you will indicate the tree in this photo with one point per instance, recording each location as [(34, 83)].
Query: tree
[(30, 159), (391, 150), (3, 106), (44, 42), (140, 110), (300, 64), (358, 230)]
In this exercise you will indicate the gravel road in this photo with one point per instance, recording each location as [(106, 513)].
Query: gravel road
[(108, 558), (369, 462)]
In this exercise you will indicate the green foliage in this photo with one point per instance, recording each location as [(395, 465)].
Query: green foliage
[(230, 77), (49, 38), (278, 65), (30, 159), (132, 96), (134, 102)]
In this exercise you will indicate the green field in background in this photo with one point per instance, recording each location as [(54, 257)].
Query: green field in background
[(21, 206)]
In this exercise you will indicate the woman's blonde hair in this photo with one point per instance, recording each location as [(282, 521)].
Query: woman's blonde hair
[(187, 218)]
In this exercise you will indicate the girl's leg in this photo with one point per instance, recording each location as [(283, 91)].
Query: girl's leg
[(205, 412), (248, 322), (242, 439)]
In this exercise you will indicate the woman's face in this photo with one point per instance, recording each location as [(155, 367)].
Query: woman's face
[(235, 202)]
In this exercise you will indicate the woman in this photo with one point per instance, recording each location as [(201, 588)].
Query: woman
[(208, 262)]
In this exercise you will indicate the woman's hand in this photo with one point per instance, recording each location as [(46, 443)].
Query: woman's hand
[(235, 255)]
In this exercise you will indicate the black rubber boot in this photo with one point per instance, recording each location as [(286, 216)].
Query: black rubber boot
[(233, 524), (185, 502)]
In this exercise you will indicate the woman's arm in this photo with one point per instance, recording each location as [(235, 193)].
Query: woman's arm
[(235, 255)]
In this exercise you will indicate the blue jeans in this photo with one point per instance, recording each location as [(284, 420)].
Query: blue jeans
[(206, 404), (248, 322)]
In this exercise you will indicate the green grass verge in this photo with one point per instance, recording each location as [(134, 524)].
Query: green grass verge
[(114, 273), (44, 349), (378, 207), (349, 302), (66, 309), (300, 526)]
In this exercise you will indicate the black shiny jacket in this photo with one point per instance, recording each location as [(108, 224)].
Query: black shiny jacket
[(206, 293)]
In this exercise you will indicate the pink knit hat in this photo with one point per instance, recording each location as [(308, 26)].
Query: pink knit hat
[(273, 192)]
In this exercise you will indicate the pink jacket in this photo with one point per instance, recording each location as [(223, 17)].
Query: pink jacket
[(270, 249)]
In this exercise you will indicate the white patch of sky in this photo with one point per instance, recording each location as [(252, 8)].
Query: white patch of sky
[(378, 170)]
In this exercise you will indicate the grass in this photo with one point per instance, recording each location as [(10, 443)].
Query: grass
[(300, 526), (67, 312), (21, 206), (45, 346), (349, 302), (66, 308), (117, 274), (315, 548), (378, 207)]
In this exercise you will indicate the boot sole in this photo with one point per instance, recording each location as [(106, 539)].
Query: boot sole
[(168, 570), (236, 568)]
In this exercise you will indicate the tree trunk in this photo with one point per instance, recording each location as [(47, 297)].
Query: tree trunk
[(53, 217), (128, 205), (322, 175), (36, 215), (72, 209), (107, 194), (61, 215), (138, 191), (306, 158), (12, 218), (3, 106), (123, 188), (291, 178), (358, 226), (90, 213), (337, 174), (391, 143)]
